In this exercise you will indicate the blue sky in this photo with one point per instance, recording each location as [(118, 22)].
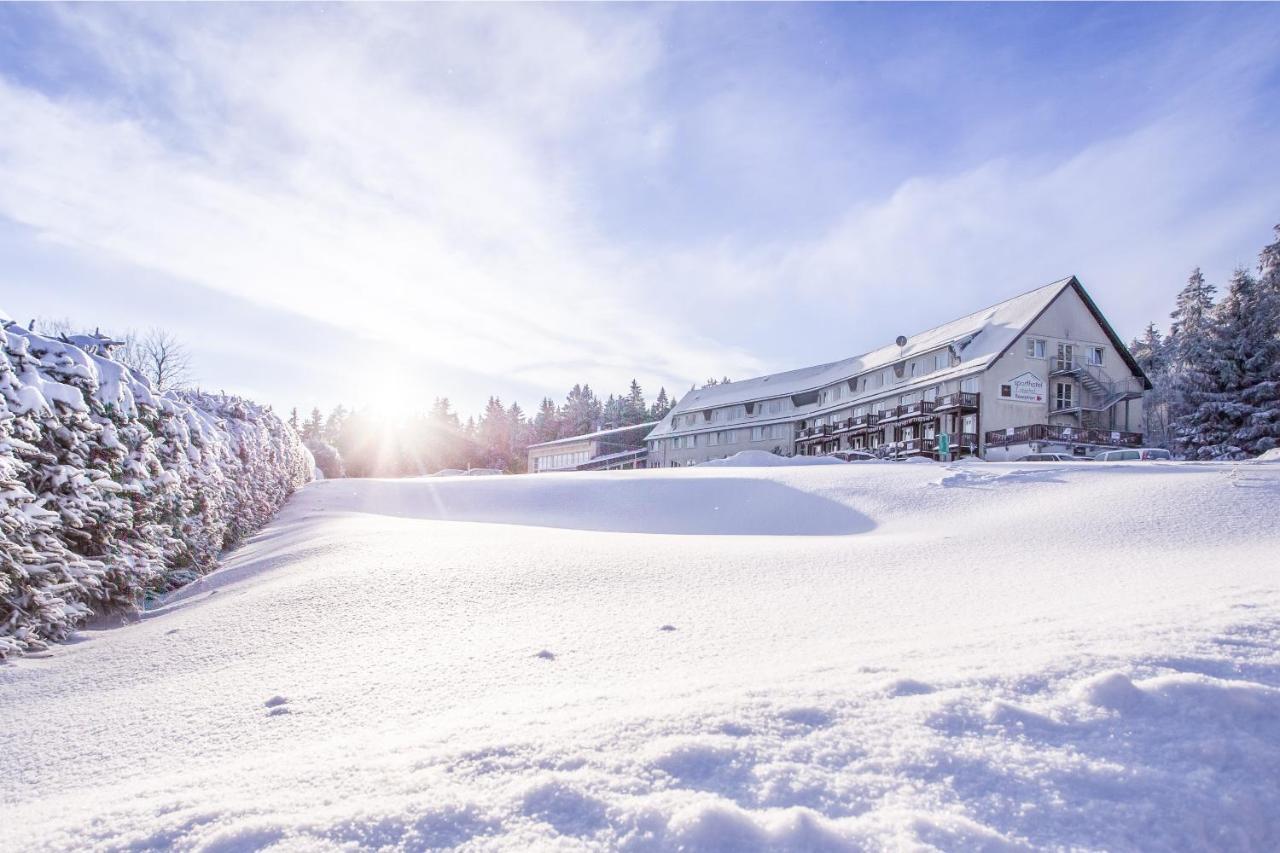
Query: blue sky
[(363, 203)]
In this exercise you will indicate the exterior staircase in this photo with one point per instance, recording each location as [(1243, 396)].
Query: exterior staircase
[(1099, 391)]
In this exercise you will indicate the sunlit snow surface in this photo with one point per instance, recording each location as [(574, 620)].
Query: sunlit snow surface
[(835, 657)]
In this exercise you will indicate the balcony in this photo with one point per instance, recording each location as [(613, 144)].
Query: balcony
[(863, 423), (956, 442), (813, 432), (917, 411), (961, 401), (1062, 435)]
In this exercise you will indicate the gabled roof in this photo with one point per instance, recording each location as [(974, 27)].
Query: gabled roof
[(978, 339)]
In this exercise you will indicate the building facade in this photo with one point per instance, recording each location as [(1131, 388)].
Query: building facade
[(605, 450), (1041, 372)]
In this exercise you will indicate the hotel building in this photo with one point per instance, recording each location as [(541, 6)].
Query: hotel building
[(1041, 372)]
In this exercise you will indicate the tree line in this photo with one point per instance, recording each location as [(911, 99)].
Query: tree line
[(362, 443), (1216, 371)]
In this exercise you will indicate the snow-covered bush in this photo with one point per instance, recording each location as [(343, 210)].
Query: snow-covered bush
[(109, 491), (328, 459)]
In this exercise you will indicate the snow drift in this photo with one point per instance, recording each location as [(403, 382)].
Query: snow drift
[(763, 459), (109, 491), (965, 657)]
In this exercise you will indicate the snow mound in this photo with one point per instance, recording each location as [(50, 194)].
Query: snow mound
[(939, 681), (1272, 455), (764, 459)]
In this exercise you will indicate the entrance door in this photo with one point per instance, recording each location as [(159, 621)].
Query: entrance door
[(1066, 356), (1062, 396)]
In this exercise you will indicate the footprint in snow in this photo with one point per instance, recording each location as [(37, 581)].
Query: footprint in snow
[(545, 655), (276, 704), (667, 628)]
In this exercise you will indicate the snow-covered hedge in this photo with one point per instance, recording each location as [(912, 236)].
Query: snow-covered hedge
[(109, 491)]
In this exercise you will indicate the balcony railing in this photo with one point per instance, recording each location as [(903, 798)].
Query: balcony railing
[(958, 400), (1062, 435), (956, 441), (916, 411)]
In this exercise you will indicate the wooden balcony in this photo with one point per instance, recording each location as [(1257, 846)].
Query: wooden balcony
[(961, 401), (1062, 435), (957, 441), (863, 423), (920, 410)]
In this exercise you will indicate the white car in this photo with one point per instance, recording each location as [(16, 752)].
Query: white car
[(1134, 455)]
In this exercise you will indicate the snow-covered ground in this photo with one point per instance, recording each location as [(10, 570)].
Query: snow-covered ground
[(981, 656)]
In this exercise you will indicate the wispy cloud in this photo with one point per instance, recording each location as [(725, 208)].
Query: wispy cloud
[(536, 195)]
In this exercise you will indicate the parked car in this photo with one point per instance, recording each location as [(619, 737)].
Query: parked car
[(852, 455), (1133, 455), (1052, 457)]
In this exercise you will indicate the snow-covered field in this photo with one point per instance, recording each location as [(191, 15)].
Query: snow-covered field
[(981, 656)]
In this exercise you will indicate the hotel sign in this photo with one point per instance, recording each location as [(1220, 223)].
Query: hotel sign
[(1023, 388)]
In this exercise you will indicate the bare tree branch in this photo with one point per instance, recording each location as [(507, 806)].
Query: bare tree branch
[(159, 356)]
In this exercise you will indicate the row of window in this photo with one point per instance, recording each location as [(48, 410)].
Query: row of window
[(1067, 353), (771, 432), (559, 461), (899, 372), (826, 397)]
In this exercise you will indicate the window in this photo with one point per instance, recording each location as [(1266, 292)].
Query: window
[(931, 394), (757, 433), (835, 393), (880, 379), (775, 406), (1062, 395), (1095, 356), (914, 365), (1006, 390), (970, 385), (969, 423), (713, 438), (939, 361), (1035, 347)]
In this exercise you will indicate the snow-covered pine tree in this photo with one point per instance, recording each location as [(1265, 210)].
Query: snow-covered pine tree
[(1218, 423), (546, 423), (1190, 361), (661, 405), (109, 491), (1151, 353), (634, 409), (313, 428)]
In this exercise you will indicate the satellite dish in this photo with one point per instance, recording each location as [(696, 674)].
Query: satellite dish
[(902, 340)]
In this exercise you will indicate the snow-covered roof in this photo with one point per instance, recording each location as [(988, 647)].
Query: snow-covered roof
[(598, 434), (978, 339)]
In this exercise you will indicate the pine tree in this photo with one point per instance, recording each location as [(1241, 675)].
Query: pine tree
[(333, 424), (546, 423), (660, 406), (1215, 382), (1151, 353), (634, 409), (313, 428), (1188, 345)]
